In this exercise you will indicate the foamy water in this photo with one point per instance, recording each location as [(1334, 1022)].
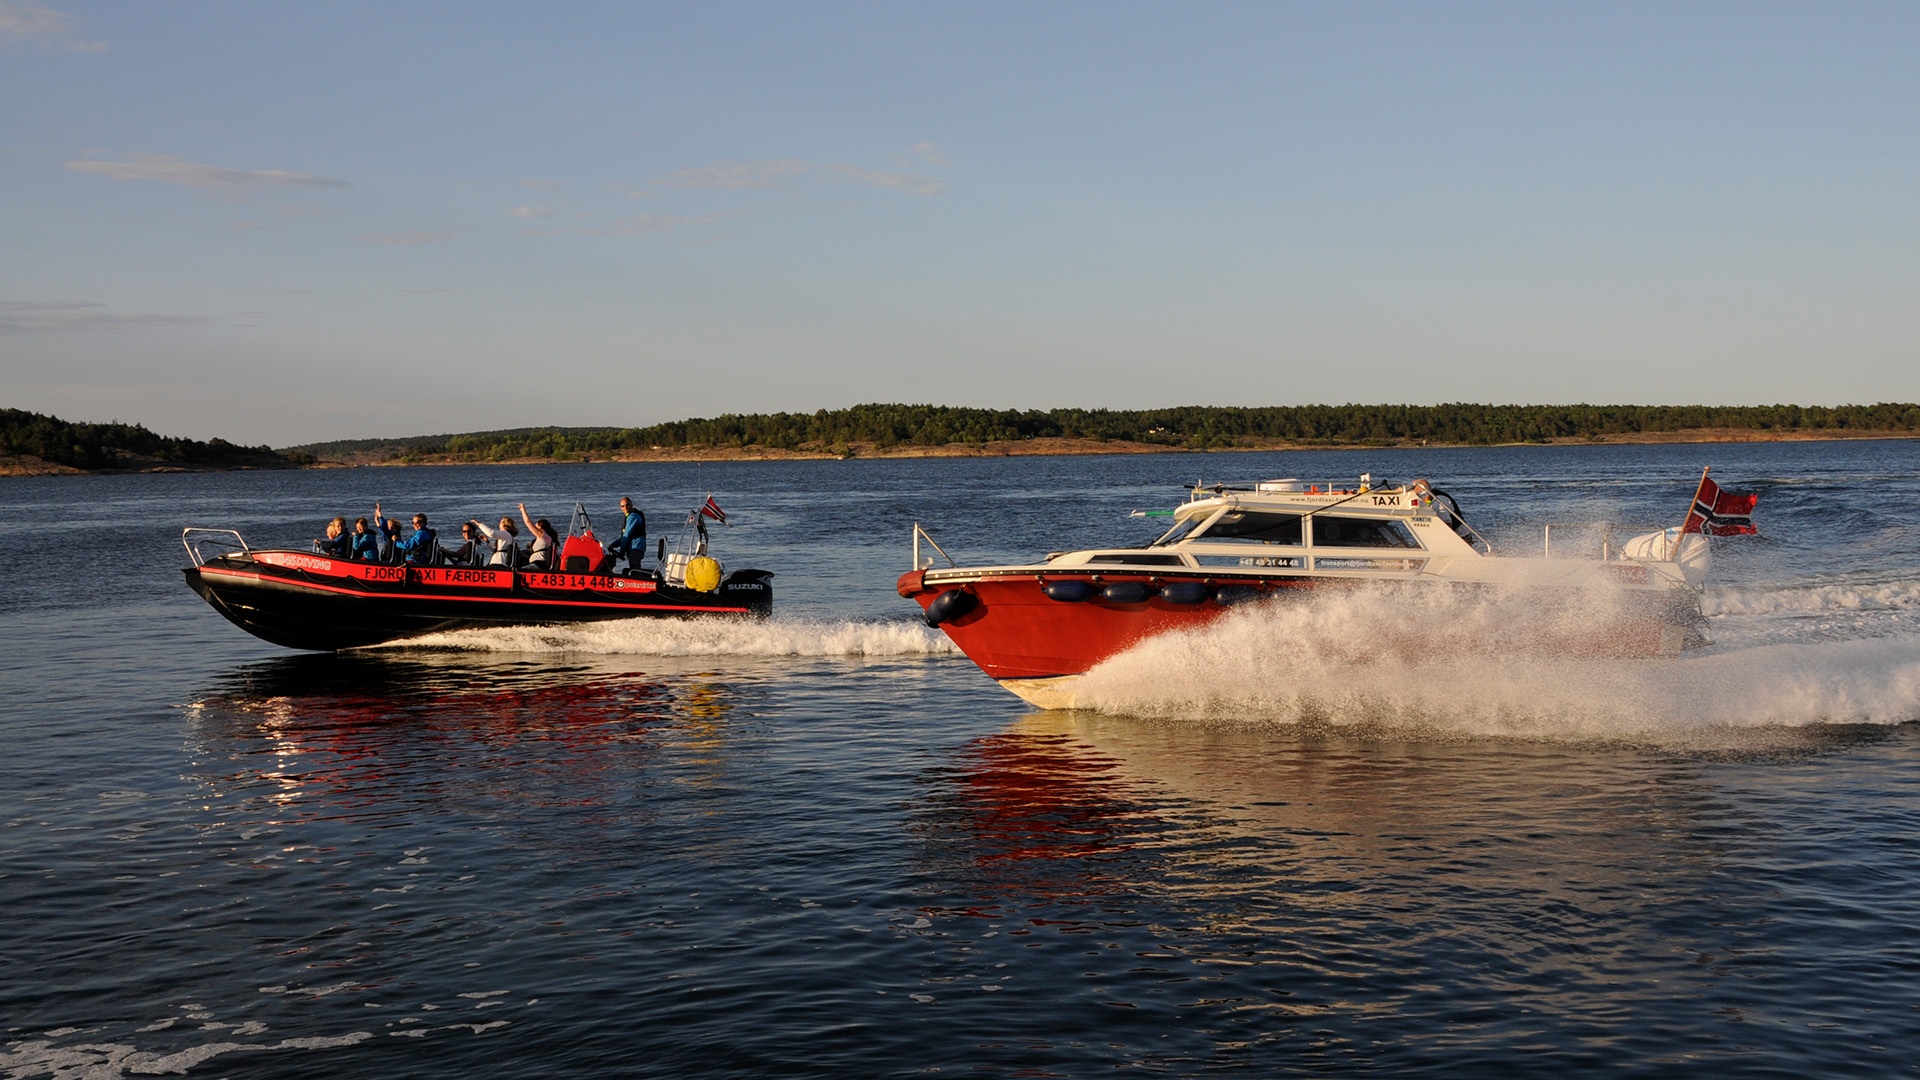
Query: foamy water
[(850, 639), (1438, 660)]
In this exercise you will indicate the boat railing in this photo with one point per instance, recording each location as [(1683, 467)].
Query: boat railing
[(920, 534), (1603, 531), (193, 538)]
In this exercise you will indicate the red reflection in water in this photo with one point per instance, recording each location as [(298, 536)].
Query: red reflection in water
[(1041, 817), (351, 734)]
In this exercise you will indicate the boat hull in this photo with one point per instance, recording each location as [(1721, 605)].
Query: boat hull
[(1038, 646), (309, 602)]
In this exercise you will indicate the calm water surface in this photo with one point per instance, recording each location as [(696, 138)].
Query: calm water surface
[(827, 845)]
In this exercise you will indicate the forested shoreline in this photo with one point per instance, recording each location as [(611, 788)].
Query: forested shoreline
[(897, 428), (117, 446), (35, 442)]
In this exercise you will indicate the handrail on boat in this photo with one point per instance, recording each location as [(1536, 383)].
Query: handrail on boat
[(920, 534), (192, 543), (1607, 529)]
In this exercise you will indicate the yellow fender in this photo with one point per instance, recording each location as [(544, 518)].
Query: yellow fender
[(703, 574)]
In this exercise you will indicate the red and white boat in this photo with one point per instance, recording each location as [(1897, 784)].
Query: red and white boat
[(1038, 627)]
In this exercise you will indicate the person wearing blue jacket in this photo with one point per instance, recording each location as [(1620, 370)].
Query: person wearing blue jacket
[(632, 541), (366, 542), (419, 548), (338, 543)]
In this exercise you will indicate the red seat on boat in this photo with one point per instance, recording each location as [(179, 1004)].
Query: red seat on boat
[(584, 555)]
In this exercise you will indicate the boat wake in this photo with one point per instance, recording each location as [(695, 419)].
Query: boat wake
[(775, 637), (1421, 659)]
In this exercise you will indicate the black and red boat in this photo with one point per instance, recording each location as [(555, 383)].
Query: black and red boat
[(305, 600)]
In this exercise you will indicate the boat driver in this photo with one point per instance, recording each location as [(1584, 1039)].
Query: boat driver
[(631, 544)]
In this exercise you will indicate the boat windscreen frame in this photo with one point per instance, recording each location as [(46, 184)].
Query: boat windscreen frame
[(580, 524), (1184, 530)]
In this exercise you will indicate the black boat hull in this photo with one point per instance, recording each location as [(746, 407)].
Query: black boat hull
[(305, 602)]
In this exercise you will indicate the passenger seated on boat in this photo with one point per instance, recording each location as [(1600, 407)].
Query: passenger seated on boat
[(505, 551), (365, 542), (472, 550), (541, 549), (422, 547), (631, 544), (337, 544), (389, 541)]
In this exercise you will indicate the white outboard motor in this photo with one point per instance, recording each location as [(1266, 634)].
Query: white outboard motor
[(1690, 551)]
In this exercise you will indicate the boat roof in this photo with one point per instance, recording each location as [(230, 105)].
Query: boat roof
[(1302, 497)]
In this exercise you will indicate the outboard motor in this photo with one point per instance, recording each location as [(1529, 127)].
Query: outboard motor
[(752, 588)]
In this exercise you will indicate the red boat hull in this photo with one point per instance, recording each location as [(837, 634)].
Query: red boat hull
[(1015, 631)]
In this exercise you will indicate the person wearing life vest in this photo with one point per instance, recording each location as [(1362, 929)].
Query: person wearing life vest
[(506, 548), (545, 543), (631, 544)]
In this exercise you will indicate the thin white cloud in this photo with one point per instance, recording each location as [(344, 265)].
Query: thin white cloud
[(531, 212), (919, 185), (25, 22), (407, 238), (83, 317), (171, 169), (651, 223), (788, 172), (739, 174), (639, 224), (930, 153)]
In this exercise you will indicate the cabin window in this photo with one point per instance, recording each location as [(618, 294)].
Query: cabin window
[(1257, 528), (1350, 532)]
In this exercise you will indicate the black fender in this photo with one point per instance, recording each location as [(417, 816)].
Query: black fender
[(950, 605)]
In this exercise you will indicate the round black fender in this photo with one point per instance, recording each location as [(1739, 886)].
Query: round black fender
[(951, 605), (1127, 592), (1069, 592), (1239, 594), (1186, 592)]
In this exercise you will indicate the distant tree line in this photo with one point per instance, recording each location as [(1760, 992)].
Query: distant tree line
[(117, 445), (1194, 427)]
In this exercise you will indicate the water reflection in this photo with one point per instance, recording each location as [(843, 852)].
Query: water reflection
[(1318, 873), (1032, 817), (357, 733)]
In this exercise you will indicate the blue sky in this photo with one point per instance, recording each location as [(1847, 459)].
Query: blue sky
[(281, 223)]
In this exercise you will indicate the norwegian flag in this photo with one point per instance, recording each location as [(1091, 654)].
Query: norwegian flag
[(712, 510), (1720, 513)]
